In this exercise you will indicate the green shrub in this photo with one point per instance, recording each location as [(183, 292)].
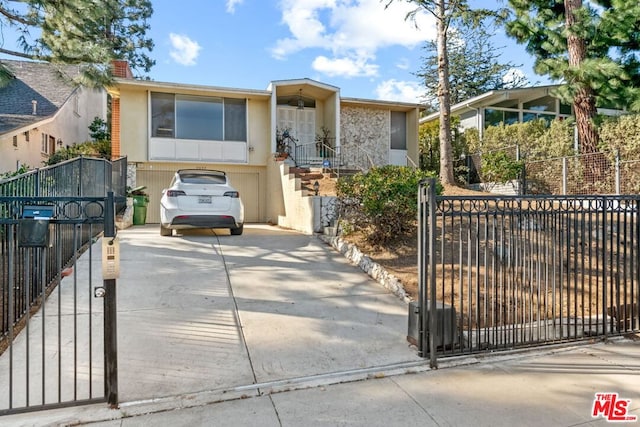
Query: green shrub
[(382, 202), (100, 149), (21, 170), (498, 166)]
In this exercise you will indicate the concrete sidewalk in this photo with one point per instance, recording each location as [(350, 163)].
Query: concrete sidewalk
[(275, 328)]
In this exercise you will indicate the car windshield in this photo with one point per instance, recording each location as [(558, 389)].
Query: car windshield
[(198, 178)]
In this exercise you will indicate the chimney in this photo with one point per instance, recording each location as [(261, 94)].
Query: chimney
[(35, 107), (121, 69)]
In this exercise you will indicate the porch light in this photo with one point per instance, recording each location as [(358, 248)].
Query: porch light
[(316, 187), (300, 100)]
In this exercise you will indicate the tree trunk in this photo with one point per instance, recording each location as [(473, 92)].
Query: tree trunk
[(584, 103), (444, 99)]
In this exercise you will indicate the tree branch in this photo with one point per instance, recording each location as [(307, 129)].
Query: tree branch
[(16, 53), (13, 17)]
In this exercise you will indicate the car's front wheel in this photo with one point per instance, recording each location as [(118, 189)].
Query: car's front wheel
[(237, 231), (164, 231)]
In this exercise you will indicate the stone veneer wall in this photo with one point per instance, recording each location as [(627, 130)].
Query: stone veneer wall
[(368, 129)]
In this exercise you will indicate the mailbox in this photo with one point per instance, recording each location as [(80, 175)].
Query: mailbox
[(34, 228)]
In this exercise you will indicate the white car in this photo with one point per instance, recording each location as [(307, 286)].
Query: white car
[(199, 198)]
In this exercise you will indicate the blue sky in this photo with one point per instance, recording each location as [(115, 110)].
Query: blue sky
[(356, 45)]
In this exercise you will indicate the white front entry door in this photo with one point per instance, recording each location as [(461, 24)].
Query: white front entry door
[(301, 123)]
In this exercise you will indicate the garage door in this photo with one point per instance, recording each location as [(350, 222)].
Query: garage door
[(245, 182)]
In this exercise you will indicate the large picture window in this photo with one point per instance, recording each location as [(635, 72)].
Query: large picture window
[(198, 117)]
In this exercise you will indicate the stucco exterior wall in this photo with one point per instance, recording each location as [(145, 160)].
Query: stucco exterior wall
[(298, 209), (134, 130)]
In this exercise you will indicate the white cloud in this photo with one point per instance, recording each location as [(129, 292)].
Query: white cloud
[(184, 50), (403, 91), (345, 67), (231, 5), (352, 30)]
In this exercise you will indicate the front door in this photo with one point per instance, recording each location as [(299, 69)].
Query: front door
[(300, 122)]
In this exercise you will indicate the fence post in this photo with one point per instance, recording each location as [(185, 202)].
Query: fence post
[(422, 267), (80, 174), (37, 192), (429, 324), (110, 315), (564, 176), (617, 172)]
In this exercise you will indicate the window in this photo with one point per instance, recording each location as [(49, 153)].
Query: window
[(546, 103), (15, 140), (398, 130), (527, 117), (26, 136), (198, 117), (235, 120), (44, 144), (509, 103), (493, 117), (162, 115)]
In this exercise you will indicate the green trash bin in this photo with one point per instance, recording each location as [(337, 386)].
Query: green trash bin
[(140, 203)]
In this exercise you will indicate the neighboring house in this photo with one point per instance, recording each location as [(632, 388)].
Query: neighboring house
[(162, 127), (40, 113), (510, 106)]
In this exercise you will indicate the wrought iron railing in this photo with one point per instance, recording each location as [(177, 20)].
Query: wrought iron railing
[(71, 184), (325, 155), (499, 273)]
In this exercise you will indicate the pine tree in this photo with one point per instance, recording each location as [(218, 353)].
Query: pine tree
[(90, 33), (591, 48)]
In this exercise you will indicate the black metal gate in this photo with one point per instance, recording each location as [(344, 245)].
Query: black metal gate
[(502, 272), (57, 294)]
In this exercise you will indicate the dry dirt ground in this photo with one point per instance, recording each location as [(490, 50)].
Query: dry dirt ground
[(581, 296), (400, 258)]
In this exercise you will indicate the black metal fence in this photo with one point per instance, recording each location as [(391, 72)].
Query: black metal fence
[(498, 273), (65, 206)]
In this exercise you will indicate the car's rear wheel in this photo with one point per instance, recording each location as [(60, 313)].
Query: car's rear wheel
[(237, 231), (164, 231)]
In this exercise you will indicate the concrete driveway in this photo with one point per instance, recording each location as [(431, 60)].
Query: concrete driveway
[(203, 311)]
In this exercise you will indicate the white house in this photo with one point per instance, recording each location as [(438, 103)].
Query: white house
[(41, 112)]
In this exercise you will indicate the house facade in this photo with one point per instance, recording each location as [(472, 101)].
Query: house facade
[(162, 127), (511, 106), (40, 113)]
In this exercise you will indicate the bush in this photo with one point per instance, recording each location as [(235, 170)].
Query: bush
[(498, 166), (100, 149), (382, 202)]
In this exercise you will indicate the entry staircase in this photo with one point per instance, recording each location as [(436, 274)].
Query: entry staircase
[(303, 208)]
